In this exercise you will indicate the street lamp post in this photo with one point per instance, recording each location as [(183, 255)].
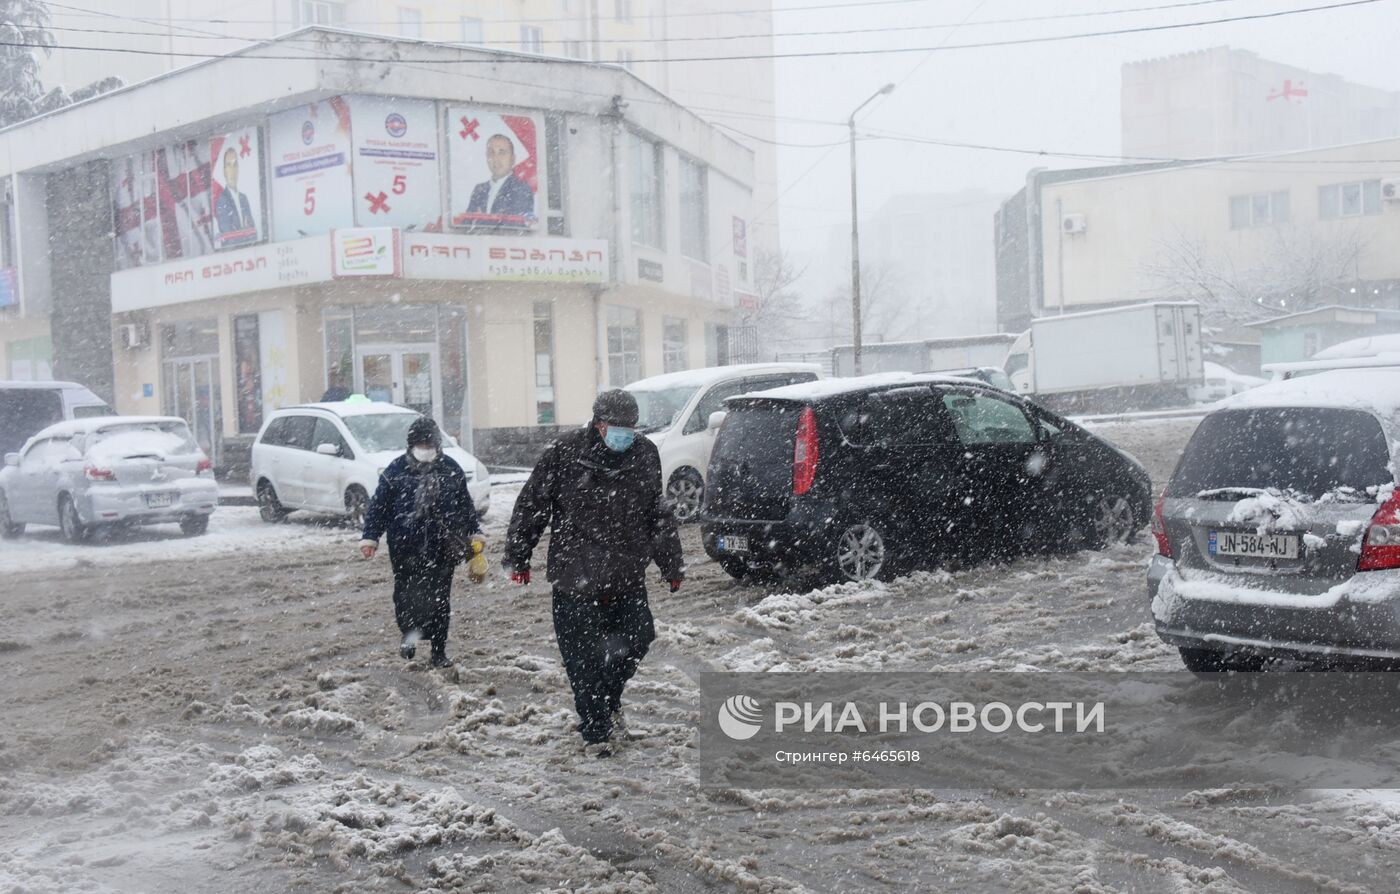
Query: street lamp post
[(855, 230)]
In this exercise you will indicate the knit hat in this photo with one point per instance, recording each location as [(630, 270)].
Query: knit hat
[(424, 431), (616, 407)]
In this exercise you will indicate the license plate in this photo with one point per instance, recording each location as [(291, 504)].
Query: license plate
[(1248, 544), (732, 544), (159, 501)]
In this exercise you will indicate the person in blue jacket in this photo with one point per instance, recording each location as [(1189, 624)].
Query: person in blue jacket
[(422, 503)]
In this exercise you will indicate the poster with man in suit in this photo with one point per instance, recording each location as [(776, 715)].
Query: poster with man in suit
[(495, 168), (236, 188)]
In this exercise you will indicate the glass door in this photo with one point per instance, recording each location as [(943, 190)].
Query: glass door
[(192, 393), (406, 375)]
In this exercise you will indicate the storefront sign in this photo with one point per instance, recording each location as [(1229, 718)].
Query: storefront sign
[(495, 168), (741, 238), (650, 270), (395, 162), (234, 272), (746, 300), (365, 252), (504, 258), (311, 185)]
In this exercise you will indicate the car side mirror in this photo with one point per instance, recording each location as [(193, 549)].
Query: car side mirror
[(716, 420), (12, 459), (328, 450)]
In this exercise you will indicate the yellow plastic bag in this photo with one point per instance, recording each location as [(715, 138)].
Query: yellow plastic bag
[(476, 568)]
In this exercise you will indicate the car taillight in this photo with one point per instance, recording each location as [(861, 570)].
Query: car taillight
[(1381, 548), (804, 452), (1159, 528), (204, 466), (93, 473)]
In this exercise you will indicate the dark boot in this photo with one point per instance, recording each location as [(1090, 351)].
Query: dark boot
[(408, 647), (440, 658)]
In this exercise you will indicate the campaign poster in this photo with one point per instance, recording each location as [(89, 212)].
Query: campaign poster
[(311, 184), (182, 185), (247, 358), (150, 208), (495, 167), (395, 162), (235, 161)]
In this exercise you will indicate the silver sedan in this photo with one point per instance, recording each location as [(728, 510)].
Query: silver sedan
[(108, 471)]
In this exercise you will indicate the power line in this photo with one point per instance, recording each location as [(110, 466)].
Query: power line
[(534, 59), (693, 39)]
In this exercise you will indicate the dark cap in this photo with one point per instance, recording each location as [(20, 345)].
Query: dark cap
[(616, 407), (424, 431)]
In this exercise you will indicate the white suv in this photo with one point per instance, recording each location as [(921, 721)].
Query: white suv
[(675, 414), (327, 457)]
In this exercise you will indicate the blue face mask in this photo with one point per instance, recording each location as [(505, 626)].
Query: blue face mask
[(618, 438)]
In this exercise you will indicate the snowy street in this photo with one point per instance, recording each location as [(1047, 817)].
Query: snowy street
[(228, 713)]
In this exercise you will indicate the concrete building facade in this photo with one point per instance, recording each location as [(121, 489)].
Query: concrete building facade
[(312, 224)]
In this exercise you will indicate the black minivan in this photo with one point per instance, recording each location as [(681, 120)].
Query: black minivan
[(861, 478)]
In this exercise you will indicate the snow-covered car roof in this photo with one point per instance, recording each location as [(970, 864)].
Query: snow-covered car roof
[(824, 388), (74, 427), (1370, 346), (350, 408), (46, 386), (1374, 390), (699, 378)]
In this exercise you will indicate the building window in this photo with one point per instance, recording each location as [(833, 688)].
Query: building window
[(410, 22), (674, 353), (624, 345), (624, 58), (695, 210), (320, 12), (1259, 210), (574, 49), (1349, 199), (648, 222), (622, 10), (531, 39), (472, 32), (544, 363), (716, 344)]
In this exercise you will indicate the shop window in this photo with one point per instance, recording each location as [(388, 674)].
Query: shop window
[(545, 412), (452, 358), (247, 367), (675, 355), (340, 356), (624, 345), (716, 344)]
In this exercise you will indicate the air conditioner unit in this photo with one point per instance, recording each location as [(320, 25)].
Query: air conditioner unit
[(132, 336), (1073, 224), (1390, 189)]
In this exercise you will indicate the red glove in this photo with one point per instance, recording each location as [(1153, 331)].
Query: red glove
[(675, 584), (520, 577)]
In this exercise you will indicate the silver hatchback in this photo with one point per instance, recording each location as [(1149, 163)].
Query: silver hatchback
[(1278, 535), (108, 471)]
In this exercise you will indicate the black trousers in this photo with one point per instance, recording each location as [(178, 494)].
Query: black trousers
[(601, 640), (422, 594)]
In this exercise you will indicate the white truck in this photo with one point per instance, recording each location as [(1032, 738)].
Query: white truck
[(1141, 356)]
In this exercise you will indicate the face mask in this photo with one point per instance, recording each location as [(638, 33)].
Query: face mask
[(618, 438), (424, 455)]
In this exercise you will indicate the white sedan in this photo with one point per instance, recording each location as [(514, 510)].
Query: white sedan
[(327, 457), (108, 471)]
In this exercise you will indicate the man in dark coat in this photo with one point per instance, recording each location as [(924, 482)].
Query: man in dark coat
[(423, 504), (598, 490)]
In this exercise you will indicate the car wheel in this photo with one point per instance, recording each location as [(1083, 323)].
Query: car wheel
[(74, 531), (1112, 521), (356, 505), (8, 529), (1210, 661), (861, 553), (686, 492), (194, 525), (269, 508)]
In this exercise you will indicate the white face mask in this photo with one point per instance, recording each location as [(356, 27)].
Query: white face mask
[(424, 455)]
